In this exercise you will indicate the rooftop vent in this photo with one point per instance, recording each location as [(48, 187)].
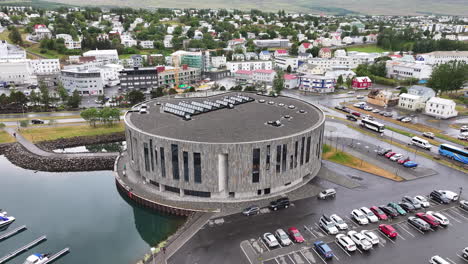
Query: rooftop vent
[(271, 102), (261, 101), (291, 107), (302, 111)]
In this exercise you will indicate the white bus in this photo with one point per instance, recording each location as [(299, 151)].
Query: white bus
[(373, 125), (422, 143)]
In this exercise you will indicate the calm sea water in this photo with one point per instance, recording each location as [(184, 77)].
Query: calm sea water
[(80, 210)]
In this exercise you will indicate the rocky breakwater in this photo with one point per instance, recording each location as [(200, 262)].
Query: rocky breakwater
[(23, 158)]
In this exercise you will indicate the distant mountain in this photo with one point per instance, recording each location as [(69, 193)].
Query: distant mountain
[(372, 7)]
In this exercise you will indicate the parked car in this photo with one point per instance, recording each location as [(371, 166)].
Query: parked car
[(328, 225), (339, 107), (359, 105), (464, 204), (450, 195), (360, 240), (419, 223), (413, 201), (388, 230), (280, 203), (360, 217), (339, 222), (346, 242), (407, 207), (439, 197), (388, 114), (351, 117), (37, 121), (351, 92), (390, 154), (270, 240), (439, 217), (373, 238), (421, 199), (403, 160), (383, 151), (438, 260), (429, 219), (464, 128), (251, 210), (328, 193), (369, 214), (368, 108), (463, 136), (389, 211), (396, 157), (282, 237), (410, 164), (379, 213), (347, 110), (465, 253), (398, 208), (428, 135), (401, 118), (356, 114), (376, 111), (295, 235), (406, 120), (360, 97), (323, 249)]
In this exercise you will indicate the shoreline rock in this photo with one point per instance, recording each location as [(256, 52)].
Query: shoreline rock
[(80, 141)]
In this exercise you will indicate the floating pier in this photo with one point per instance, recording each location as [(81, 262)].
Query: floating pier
[(22, 249), (12, 232), (57, 255)]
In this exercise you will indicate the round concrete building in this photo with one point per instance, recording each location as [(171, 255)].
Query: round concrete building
[(224, 147)]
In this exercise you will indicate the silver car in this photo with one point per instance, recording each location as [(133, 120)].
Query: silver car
[(282, 237)]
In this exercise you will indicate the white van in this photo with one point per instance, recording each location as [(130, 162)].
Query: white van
[(422, 143)]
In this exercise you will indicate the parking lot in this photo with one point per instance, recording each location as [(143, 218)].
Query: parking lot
[(411, 243)]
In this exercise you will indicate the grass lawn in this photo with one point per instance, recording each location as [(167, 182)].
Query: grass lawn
[(51, 133), (349, 160), (408, 134), (5, 137), (366, 48)]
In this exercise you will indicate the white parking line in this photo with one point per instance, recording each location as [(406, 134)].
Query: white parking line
[(451, 260), (277, 261), (449, 215), (318, 232), (306, 257), (261, 240), (342, 248), (291, 259), (457, 213), (337, 258), (462, 258), (306, 228), (415, 228), (319, 256), (405, 230), (385, 236), (247, 256)]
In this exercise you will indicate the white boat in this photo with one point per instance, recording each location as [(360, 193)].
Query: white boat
[(4, 219), (37, 259)]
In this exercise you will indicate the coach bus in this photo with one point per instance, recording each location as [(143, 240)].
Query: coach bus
[(454, 153), (373, 125)]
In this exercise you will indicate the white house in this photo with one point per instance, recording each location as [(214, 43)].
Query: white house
[(147, 44), (41, 32), (291, 81), (85, 81), (441, 108), (234, 66), (168, 41), (283, 62), (403, 70), (265, 76), (11, 52), (105, 56), (218, 61), (128, 41), (69, 42), (45, 66), (264, 55), (411, 102)]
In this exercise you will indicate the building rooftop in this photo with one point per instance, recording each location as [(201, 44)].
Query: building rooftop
[(246, 122)]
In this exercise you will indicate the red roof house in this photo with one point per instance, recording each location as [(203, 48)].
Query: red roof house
[(362, 83)]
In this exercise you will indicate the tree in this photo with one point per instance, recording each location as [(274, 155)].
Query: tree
[(34, 98), (288, 69), (403, 90), (339, 81), (349, 82), (63, 93), (44, 97), (91, 115), (354, 31), (294, 50), (15, 36), (18, 97), (278, 81), (135, 97), (449, 76), (158, 92), (74, 100)]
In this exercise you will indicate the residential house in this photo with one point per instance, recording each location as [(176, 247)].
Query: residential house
[(404, 70), (69, 42), (167, 42), (416, 98), (325, 53), (286, 62), (316, 83), (304, 47), (264, 55), (441, 108), (280, 52), (272, 43), (218, 61), (147, 44), (264, 76), (362, 83), (234, 66), (304, 56), (251, 56), (40, 32), (291, 81), (243, 76), (382, 98)]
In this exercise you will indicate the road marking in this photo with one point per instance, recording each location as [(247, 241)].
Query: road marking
[(464, 259), (337, 259), (309, 254), (405, 230), (245, 253), (457, 213), (451, 260), (385, 236), (291, 259), (277, 261), (449, 215), (263, 243), (319, 256), (417, 229), (342, 248), (306, 228), (318, 232), (320, 228)]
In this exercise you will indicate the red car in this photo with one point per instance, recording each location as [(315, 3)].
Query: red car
[(388, 230), (379, 213), (429, 219), (403, 160), (356, 114), (390, 154), (295, 235)]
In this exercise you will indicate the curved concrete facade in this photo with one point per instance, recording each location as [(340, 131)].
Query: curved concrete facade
[(231, 170)]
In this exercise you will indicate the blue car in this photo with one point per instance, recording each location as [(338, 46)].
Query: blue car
[(410, 164), (323, 249)]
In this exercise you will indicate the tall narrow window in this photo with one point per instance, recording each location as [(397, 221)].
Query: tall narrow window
[(186, 166), (146, 154), (197, 167), (256, 165), (291, 162), (268, 157), (163, 162), (308, 150), (295, 154), (302, 150), (175, 161), (151, 154), (278, 158), (284, 158)]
